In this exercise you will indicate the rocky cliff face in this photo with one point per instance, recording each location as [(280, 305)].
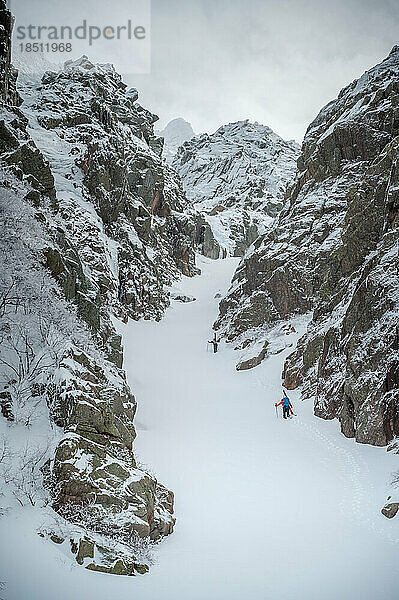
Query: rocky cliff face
[(175, 134), (92, 226), (333, 251), (100, 144), (8, 75), (236, 179)]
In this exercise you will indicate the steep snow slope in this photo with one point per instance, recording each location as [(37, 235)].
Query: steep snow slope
[(175, 134), (334, 248), (282, 510), (236, 177)]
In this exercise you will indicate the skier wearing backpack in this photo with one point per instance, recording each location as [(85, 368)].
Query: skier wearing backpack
[(287, 406)]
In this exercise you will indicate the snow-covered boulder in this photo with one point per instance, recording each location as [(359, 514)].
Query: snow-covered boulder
[(390, 510)]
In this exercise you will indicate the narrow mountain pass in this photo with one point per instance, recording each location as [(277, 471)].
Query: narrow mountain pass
[(266, 507)]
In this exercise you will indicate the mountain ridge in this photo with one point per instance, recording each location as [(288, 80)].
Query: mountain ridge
[(236, 178)]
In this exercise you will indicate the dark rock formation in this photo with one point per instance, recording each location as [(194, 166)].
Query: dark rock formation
[(8, 74), (205, 240), (390, 510), (106, 138)]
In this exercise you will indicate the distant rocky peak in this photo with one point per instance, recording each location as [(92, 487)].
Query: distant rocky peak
[(175, 134), (85, 64), (236, 178), (180, 127)]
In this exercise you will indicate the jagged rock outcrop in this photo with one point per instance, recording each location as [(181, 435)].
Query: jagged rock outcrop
[(90, 128), (8, 74), (175, 134), (236, 179), (92, 224), (334, 250)]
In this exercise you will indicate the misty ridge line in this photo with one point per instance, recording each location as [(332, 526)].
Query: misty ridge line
[(81, 32)]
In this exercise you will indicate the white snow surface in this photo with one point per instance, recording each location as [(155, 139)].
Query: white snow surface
[(266, 508)]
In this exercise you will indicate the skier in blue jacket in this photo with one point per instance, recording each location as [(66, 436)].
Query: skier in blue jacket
[(287, 406)]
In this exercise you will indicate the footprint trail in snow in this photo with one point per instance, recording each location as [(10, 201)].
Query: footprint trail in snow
[(266, 509)]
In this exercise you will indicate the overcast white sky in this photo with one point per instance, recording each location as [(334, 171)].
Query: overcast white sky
[(215, 61), (274, 61)]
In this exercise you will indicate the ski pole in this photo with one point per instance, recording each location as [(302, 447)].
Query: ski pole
[(276, 410)]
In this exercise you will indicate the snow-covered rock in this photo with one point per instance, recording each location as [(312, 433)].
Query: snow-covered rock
[(175, 134), (92, 227), (236, 178), (334, 250), (126, 205)]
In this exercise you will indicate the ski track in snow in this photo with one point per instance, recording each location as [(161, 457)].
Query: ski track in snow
[(266, 508)]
